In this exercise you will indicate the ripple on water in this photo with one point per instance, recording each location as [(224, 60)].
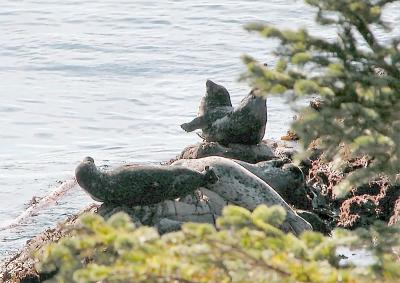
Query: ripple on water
[(10, 108)]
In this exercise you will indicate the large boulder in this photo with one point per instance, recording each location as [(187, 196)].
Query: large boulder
[(248, 153)]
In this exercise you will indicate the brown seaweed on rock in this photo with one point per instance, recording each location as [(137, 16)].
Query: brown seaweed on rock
[(377, 200), (396, 213)]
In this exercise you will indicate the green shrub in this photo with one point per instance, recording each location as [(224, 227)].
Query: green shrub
[(357, 76), (244, 247)]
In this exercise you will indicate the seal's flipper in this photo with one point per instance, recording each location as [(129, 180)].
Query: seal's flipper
[(196, 123)]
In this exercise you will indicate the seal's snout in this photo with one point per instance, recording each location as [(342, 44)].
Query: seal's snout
[(255, 97), (210, 85), (85, 172)]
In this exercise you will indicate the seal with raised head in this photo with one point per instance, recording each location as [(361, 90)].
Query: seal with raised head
[(140, 185), (215, 104), (245, 125)]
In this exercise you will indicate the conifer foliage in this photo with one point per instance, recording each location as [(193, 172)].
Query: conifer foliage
[(245, 247), (356, 75)]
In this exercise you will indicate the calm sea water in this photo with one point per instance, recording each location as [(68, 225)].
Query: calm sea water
[(114, 80)]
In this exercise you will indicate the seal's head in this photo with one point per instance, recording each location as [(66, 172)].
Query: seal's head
[(217, 95), (85, 172), (255, 101)]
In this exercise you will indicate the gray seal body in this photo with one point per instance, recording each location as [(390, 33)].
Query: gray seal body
[(140, 185), (245, 125), (221, 123), (241, 187), (214, 105)]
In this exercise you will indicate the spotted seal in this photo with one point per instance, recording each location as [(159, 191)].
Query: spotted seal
[(140, 185), (245, 125), (221, 123), (215, 104), (241, 187), (285, 178)]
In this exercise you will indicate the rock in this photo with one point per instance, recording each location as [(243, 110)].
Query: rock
[(241, 187), (315, 221), (248, 153), (286, 178), (284, 149), (166, 225), (317, 103), (184, 210), (140, 185)]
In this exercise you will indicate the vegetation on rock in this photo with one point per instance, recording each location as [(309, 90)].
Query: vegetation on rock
[(244, 247)]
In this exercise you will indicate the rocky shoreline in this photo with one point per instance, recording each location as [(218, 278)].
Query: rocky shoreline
[(246, 174), (21, 266), (316, 203)]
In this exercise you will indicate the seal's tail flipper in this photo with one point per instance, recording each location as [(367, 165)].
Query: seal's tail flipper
[(210, 176), (196, 123), (187, 128), (296, 226)]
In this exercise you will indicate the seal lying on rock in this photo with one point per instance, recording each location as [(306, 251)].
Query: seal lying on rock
[(241, 187), (285, 177), (140, 185), (214, 105)]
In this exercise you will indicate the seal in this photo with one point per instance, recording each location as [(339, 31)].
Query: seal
[(245, 125), (140, 185), (221, 123), (241, 187), (215, 104), (284, 177)]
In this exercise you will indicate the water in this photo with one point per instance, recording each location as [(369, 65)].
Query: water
[(114, 80)]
